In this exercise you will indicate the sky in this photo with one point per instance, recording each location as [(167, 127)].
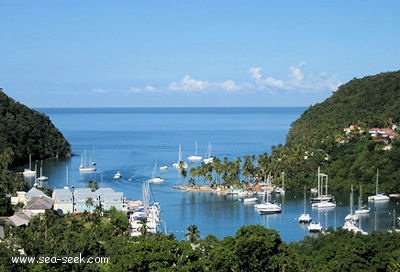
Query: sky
[(192, 53)]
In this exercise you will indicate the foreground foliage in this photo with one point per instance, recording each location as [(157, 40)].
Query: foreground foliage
[(253, 248)]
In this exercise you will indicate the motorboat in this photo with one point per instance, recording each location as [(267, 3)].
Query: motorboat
[(324, 205), (250, 199), (117, 175)]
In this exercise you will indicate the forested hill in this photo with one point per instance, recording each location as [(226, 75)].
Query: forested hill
[(318, 137), (24, 131), (370, 101)]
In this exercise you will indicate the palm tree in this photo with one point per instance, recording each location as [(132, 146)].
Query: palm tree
[(143, 229), (192, 233), (89, 202)]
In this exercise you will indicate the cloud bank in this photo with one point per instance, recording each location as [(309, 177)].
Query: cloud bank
[(296, 81)]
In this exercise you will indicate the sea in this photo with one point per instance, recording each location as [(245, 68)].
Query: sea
[(137, 141)]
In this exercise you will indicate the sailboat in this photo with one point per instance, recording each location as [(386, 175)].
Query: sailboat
[(180, 163), (154, 178), (195, 157), (351, 216), (82, 167), (305, 217), (267, 207), (28, 172), (362, 209), (41, 177), (208, 158), (378, 196), (320, 196)]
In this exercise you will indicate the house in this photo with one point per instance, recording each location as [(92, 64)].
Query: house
[(82, 199), (19, 218), (109, 198), (20, 198), (63, 201), (38, 205)]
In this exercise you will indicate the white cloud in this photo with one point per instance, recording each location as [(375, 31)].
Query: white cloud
[(228, 85), (188, 84), (296, 80)]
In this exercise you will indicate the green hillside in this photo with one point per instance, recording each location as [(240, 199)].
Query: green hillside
[(24, 131), (318, 138)]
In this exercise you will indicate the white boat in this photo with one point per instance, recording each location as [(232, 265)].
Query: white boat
[(378, 196), (324, 204), (208, 158), (267, 207), (164, 167), (149, 211), (83, 168), (351, 216), (28, 172), (305, 217), (195, 157), (281, 190), (117, 175), (180, 164), (362, 209), (41, 177), (314, 227), (352, 226), (321, 178), (250, 199), (155, 178)]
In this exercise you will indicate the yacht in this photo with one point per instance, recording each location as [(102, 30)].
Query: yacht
[(305, 217), (314, 227), (117, 175), (268, 207), (195, 157), (324, 205), (378, 196)]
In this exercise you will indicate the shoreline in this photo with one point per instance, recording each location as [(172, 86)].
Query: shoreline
[(202, 188)]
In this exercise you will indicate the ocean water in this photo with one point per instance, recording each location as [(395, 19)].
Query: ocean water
[(133, 140)]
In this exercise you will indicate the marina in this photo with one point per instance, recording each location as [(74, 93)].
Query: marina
[(134, 148)]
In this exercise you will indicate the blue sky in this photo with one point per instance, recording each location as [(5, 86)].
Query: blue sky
[(192, 53)]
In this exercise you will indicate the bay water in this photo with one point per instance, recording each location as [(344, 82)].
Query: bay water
[(134, 140)]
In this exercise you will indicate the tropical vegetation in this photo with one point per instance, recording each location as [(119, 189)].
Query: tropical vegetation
[(253, 248)]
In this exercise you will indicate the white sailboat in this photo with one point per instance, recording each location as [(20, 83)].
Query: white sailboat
[(362, 209), (305, 217), (268, 207), (83, 168), (180, 164), (314, 226), (351, 216), (322, 180), (42, 177), (208, 158), (195, 157), (28, 172), (378, 196), (155, 178)]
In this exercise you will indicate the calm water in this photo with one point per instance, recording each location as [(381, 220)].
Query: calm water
[(132, 140)]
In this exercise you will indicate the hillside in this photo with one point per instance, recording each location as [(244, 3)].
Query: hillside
[(318, 138), (24, 131)]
